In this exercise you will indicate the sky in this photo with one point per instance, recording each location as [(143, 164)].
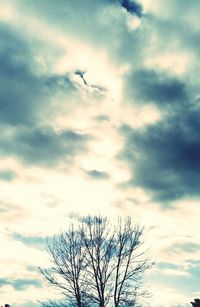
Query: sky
[(100, 113)]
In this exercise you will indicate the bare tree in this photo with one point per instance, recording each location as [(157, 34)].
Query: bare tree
[(97, 263), (130, 263), (68, 271), (99, 243), (52, 304)]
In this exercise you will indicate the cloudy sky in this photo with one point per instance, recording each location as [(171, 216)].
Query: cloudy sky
[(100, 113)]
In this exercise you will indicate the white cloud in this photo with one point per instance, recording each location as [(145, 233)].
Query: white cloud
[(165, 296)]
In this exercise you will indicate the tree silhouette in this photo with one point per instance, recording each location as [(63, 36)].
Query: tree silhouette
[(196, 302), (96, 262)]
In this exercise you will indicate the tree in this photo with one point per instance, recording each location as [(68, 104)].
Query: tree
[(96, 263), (67, 274), (52, 304), (196, 302)]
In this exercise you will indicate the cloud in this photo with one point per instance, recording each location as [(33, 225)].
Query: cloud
[(25, 94), (150, 86), (48, 147), (165, 156), (30, 100), (7, 175), (175, 277), (38, 242), (132, 7), (43, 145), (20, 284), (11, 213), (106, 28), (19, 88), (53, 115), (186, 247), (95, 174), (169, 8), (102, 118)]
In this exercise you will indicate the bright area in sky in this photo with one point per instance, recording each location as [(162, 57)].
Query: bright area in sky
[(99, 113)]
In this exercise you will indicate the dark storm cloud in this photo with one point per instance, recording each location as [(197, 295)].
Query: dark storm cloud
[(43, 146), (95, 174), (165, 157), (150, 86), (26, 102), (132, 7), (19, 89), (20, 284), (24, 95)]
